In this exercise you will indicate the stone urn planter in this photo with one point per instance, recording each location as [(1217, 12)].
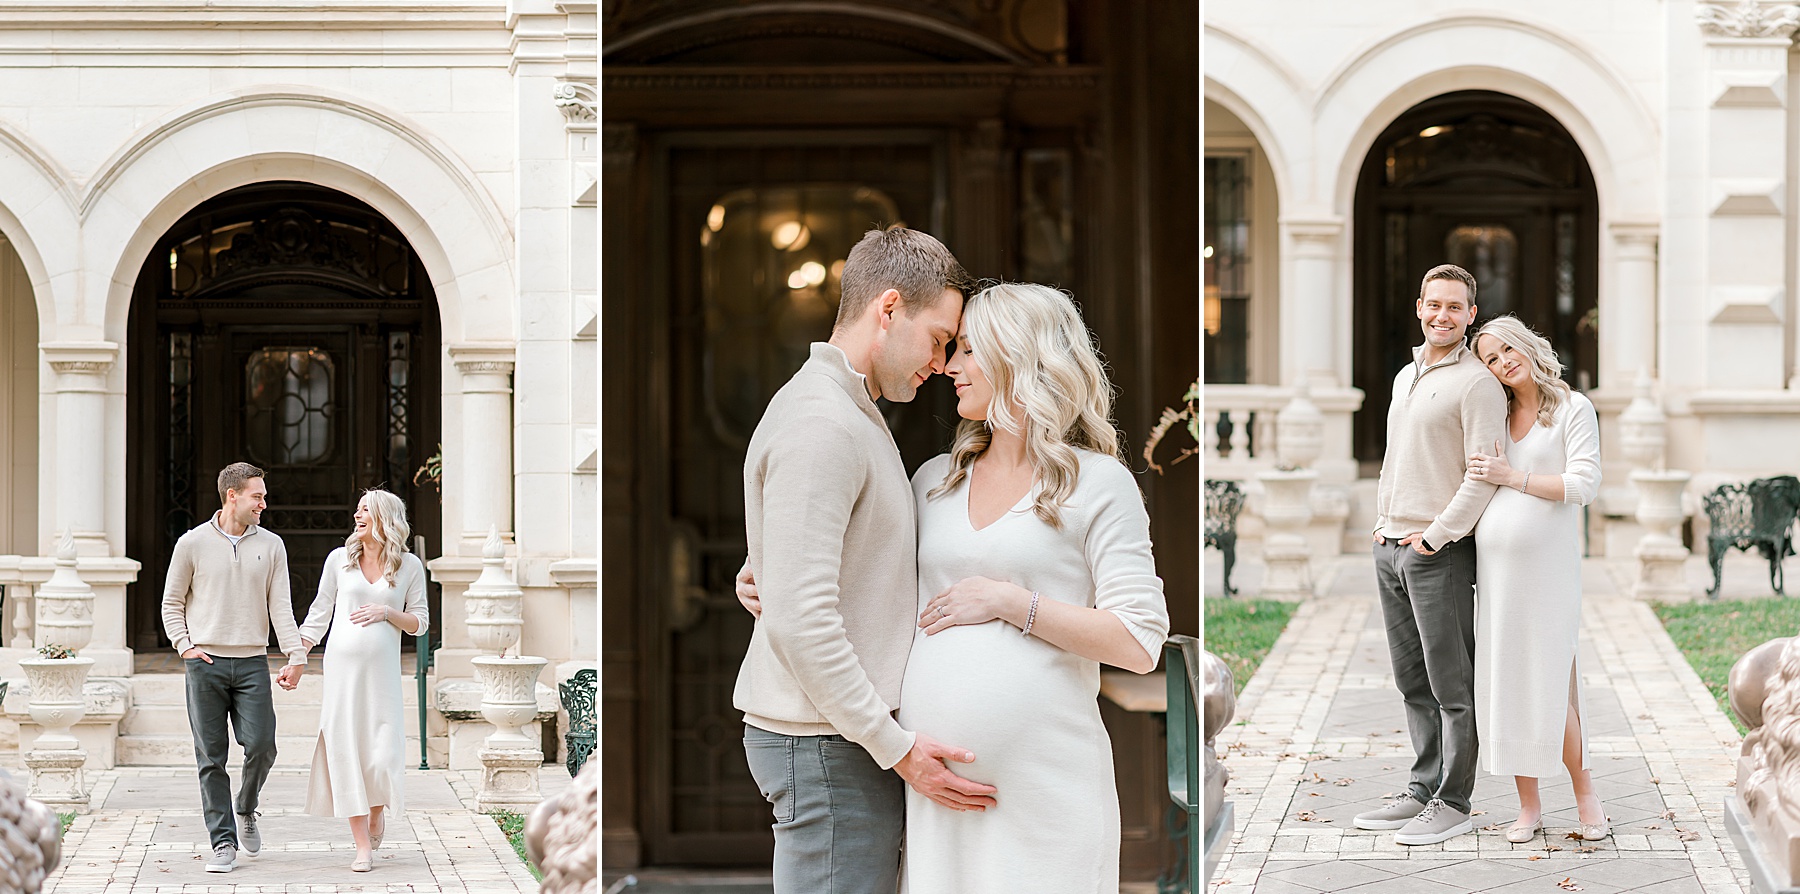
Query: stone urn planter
[(1286, 510), (1661, 557), (56, 703), (509, 758)]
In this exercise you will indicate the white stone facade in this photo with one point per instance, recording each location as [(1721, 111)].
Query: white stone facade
[(470, 125), (1683, 111)]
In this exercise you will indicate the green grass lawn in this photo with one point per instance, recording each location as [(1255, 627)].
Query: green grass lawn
[(1714, 635), (1242, 631), (514, 826)]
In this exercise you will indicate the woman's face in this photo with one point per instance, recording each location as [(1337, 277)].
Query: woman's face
[(1512, 368), (973, 393), (365, 521)]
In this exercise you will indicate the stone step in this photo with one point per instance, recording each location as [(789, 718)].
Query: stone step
[(301, 719), (178, 751)]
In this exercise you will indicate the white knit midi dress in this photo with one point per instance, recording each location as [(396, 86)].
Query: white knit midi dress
[(1028, 709), (359, 759), (1528, 599)]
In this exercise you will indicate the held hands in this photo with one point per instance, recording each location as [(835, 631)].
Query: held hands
[(289, 678), (924, 769), (1492, 468), (972, 600), (373, 613), (746, 591)]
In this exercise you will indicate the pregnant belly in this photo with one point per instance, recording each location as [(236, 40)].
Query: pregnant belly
[(1001, 695)]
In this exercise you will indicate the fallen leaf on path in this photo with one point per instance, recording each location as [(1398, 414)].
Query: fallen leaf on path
[(1667, 814), (1535, 857), (1575, 835), (1654, 826), (1656, 780), (1342, 782), (1586, 850), (1568, 884)]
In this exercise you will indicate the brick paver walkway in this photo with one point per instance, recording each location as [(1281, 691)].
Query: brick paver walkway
[(146, 836), (1321, 736)]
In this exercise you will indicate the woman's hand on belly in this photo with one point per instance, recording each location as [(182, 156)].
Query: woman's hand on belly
[(372, 613), (975, 600)]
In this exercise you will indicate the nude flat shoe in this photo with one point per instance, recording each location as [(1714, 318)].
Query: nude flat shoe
[(363, 864), (375, 834), (1596, 831), (1521, 834)]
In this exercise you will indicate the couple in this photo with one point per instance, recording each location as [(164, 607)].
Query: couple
[(1489, 441), (980, 602), (227, 585)]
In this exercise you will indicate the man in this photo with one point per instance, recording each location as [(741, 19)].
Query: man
[(227, 584), (1446, 406), (829, 517)]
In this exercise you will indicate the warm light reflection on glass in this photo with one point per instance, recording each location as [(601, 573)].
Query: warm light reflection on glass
[(1206, 252), (837, 269), (813, 272), (715, 219), (1211, 310), (790, 236), (1434, 130), (797, 280)]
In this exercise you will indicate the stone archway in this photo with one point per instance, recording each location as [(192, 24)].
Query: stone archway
[(1497, 185)]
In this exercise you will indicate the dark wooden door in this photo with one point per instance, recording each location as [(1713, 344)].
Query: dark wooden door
[(753, 232), (286, 326), (1497, 186)]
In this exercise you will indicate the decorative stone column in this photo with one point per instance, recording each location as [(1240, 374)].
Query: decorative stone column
[(485, 469), (1628, 311), (81, 370), (1661, 557), (1310, 326), (1746, 168)]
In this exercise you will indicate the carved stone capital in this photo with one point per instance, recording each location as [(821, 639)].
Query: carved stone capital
[(80, 359), (578, 101), (1748, 18), (478, 359)]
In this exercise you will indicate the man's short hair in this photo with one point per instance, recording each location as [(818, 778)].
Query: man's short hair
[(911, 262), (232, 477), (1450, 272)]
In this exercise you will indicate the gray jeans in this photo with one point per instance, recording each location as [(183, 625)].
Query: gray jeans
[(839, 817), (238, 689), (1428, 603)]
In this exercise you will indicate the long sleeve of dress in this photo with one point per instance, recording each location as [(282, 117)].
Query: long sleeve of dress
[(1119, 555), (1581, 452), (415, 593), (318, 617)]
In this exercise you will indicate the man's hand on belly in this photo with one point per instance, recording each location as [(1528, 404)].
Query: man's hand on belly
[(924, 769)]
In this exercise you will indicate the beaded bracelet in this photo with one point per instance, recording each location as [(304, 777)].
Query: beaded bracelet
[(1031, 615)]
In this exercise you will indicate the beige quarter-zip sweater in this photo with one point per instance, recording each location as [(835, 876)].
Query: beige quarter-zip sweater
[(1440, 414), (222, 597), (829, 515)]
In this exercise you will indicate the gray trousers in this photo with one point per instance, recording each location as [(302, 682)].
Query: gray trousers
[(238, 689), (1428, 603), (839, 817)]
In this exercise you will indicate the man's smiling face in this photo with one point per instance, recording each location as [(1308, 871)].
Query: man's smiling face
[(1445, 312)]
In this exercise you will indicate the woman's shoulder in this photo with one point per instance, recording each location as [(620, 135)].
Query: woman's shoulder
[(1577, 403), (932, 472), (1104, 472)]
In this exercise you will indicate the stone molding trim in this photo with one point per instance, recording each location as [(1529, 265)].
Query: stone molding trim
[(1747, 18), (578, 101), (474, 359), (84, 358), (968, 78)]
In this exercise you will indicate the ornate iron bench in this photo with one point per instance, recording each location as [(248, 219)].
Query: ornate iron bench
[(1224, 500), (578, 694), (1758, 514)]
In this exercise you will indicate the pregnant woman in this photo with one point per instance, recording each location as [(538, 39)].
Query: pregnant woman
[(372, 590), (1528, 582), (1035, 568)]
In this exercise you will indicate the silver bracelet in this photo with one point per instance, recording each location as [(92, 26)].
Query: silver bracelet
[(1030, 616), (1527, 485)]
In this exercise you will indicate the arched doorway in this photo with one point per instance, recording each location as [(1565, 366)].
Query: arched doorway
[(291, 326), (1492, 183)]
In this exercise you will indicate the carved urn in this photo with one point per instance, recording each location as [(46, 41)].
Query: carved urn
[(65, 603), (494, 605)]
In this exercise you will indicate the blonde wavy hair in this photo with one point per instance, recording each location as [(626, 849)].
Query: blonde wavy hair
[(387, 518), (1049, 389), (1546, 369)]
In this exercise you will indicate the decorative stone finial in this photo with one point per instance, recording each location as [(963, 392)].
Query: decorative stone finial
[(65, 547), (494, 549)]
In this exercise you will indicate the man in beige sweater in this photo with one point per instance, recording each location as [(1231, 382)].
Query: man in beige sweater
[(227, 584), (1446, 406), (829, 517)]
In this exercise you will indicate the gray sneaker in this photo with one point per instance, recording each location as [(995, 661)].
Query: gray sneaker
[(248, 834), (224, 859), (1437, 822), (1397, 812)]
